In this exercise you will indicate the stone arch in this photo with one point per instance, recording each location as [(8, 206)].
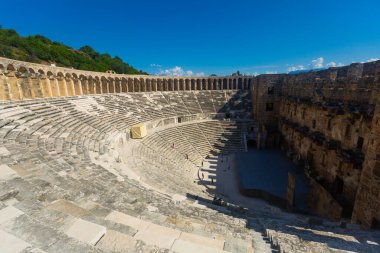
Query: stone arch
[(31, 71), (249, 83), (165, 84), (91, 85), (211, 83), (136, 83), (117, 83), (181, 84), (61, 84), (22, 69), (245, 81), (199, 84), (104, 84), (84, 83), (176, 84), (225, 84), (193, 84), (111, 85), (124, 84), (154, 84), (142, 85), (45, 84), (53, 83), (220, 84), (77, 84), (170, 84), (11, 68), (15, 91), (69, 85), (240, 83), (204, 85), (160, 84), (98, 85), (148, 85), (131, 86), (2, 68), (187, 84)]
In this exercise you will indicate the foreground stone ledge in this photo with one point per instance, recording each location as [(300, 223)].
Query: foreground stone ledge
[(86, 232)]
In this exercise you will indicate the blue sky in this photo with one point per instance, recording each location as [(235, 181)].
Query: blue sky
[(209, 36)]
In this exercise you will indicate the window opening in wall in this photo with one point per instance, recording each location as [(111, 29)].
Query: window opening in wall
[(375, 224), (270, 90), (348, 131), (269, 107), (359, 144), (314, 123), (303, 114), (338, 186), (329, 124)]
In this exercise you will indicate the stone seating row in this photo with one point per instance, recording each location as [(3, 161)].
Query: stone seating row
[(53, 189)]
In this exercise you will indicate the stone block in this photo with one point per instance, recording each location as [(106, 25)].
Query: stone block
[(4, 151), (11, 244), (127, 220), (6, 173), (85, 231), (193, 238), (67, 207), (161, 240), (181, 246), (163, 230), (9, 213), (115, 241)]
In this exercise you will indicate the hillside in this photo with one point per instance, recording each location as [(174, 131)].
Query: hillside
[(39, 49)]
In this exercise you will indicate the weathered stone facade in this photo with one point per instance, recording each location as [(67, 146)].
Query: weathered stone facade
[(21, 80), (328, 126)]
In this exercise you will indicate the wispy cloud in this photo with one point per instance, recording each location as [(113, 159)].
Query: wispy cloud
[(373, 59), (258, 67), (178, 71), (154, 65), (317, 63), (295, 68), (334, 64)]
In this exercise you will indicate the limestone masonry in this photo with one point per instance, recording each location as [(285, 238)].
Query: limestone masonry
[(73, 180)]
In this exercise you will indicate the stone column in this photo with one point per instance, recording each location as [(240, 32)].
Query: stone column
[(48, 87), (5, 93), (111, 86), (84, 83)]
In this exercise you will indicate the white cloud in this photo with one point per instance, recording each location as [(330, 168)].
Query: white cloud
[(295, 68), (334, 64), (331, 64), (178, 71), (317, 63), (271, 72), (153, 65), (251, 74), (373, 59)]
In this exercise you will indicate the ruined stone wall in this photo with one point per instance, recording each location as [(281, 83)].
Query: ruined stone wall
[(367, 205), (22, 80), (326, 121)]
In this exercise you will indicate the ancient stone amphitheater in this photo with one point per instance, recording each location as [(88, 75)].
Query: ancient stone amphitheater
[(73, 180)]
